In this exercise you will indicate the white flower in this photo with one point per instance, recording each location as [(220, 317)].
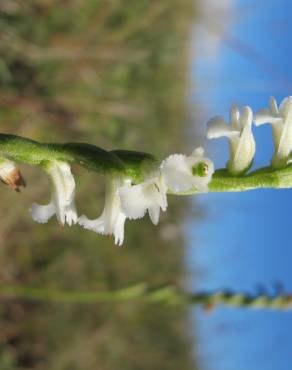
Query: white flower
[(126, 200), (112, 219), (10, 174), (62, 202), (149, 196), (182, 173), (281, 121), (239, 132)]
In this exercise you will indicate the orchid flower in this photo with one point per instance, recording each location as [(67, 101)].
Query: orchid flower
[(126, 200), (182, 173), (281, 121), (10, 174), (112, 219), (149, 195), (239, 132), (62, 201), (122, 201)]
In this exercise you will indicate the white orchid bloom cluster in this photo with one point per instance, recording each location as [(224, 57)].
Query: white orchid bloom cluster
[(241, 139), (124, 199), (177, 173)]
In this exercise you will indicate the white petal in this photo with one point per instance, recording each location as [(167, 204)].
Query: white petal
[(286, 108), (112, 219), (217, 127), (71, 214), (133, 201), (265, 116), (285, 143), (198, 152), (154, 213), (64, 191), (94, 225), (119, 229), (149, 195), (246, 117), (274, 106), (163, 194), (176, 173), (234, 118), (42, 213), (244, 154)]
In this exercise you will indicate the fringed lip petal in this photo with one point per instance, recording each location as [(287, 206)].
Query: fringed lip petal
[(42, 214), (149, 196), (62, 200)]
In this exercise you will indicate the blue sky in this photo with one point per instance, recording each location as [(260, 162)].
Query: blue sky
[(244, 242)]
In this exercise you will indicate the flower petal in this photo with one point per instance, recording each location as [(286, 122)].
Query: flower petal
[(96, 225), (154, 213), (133, 201), (119, 229), (246, 117), (264, 116), (217, 127), (176, 173), (244, 153), (42, 213), (71, 214), (234, 118), (285, 108), (274, 106), (63, 191)]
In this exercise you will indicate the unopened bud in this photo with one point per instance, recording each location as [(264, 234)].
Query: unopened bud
[(10, 174)]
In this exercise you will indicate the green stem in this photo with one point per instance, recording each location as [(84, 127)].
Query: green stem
[(118, 162), (264, 178), (162, 295), (131, 164)]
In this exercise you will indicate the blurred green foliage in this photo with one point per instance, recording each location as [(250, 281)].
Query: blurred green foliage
[(112, 73)]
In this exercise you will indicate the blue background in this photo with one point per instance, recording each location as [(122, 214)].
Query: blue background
[(244, 241)]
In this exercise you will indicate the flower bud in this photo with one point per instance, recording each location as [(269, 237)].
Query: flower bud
[(10, 174)]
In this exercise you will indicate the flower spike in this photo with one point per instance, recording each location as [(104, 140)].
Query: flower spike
[(281, 121), (62, 202), (239, 133)]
